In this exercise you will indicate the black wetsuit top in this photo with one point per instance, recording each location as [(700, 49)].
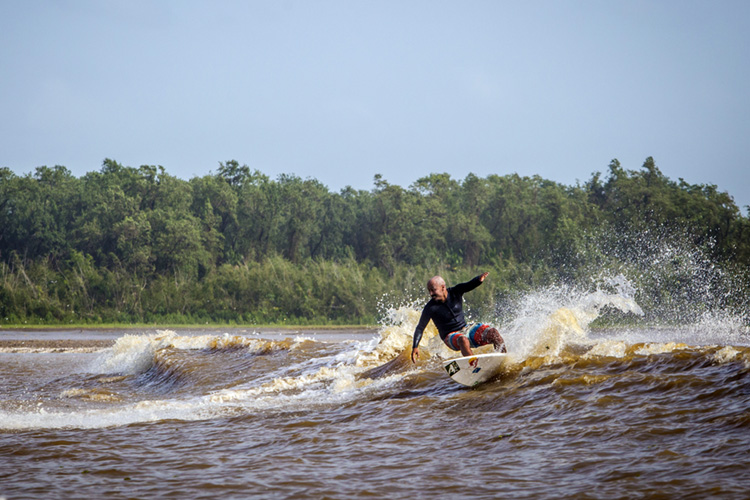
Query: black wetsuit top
[(448, 316)]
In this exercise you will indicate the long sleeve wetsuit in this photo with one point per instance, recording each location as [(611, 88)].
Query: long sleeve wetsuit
[(448, 316)]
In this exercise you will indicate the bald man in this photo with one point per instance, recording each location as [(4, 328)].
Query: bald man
[(446, 310)]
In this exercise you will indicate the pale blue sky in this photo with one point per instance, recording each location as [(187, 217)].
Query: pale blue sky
[(343, 90)]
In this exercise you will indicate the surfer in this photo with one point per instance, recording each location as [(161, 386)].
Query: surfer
[(446, 310)]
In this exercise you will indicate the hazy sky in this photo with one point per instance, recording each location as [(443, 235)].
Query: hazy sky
[(342, 90)]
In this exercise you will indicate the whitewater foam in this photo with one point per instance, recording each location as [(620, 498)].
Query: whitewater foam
[(133, 354)]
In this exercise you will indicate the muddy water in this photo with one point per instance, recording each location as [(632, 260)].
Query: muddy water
[(578, 413)]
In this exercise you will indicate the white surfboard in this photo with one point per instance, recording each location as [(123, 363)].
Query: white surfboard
[(473, 370)]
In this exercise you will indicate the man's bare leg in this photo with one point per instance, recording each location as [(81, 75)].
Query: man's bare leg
[(465, 345), (497, 340)]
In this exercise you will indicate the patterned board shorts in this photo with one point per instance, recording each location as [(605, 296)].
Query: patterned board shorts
[(475, 334)]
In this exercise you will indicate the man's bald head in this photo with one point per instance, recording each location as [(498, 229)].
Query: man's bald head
[(436, 287)]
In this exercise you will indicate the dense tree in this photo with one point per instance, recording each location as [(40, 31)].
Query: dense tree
[(137, 244), (647, 198)]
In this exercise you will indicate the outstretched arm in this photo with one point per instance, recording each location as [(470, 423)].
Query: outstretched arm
[(462, 288)]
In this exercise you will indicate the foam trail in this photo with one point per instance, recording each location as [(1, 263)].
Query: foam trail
[(330, 379)]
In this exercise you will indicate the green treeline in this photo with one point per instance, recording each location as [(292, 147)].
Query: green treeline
[(138, 245)]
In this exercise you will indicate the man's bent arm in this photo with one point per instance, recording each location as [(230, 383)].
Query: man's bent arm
[(423, 320)]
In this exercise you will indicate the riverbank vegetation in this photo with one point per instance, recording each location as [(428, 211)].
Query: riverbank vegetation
[(138, 245)]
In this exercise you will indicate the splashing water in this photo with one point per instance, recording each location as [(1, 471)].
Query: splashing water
[(543, 323), (675, 280)]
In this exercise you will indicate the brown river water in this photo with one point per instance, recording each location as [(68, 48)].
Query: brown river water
[(639, 412)]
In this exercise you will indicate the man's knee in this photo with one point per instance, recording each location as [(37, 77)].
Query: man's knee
[(494, 336), (463, 341)]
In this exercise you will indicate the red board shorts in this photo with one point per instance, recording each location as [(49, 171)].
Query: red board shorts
[(475, 334)]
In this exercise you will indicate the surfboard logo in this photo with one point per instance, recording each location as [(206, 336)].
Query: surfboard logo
[(473, 362), (452, 368)]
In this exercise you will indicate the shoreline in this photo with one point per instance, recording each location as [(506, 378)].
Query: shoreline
[(57, 345), (68, 339), (197, 327)]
